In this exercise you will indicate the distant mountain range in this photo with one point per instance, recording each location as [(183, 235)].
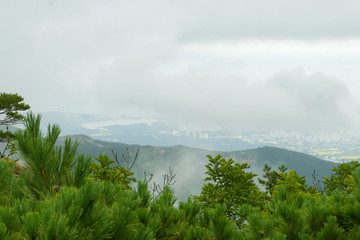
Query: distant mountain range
[(189, 163), (334, 146), (162, 146)]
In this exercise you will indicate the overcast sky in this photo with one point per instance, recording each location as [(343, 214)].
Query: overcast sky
[(237, 64)]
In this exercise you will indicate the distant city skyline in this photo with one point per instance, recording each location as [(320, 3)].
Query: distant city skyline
[(333, 146)]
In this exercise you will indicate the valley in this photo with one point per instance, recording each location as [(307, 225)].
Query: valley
[(189, 163)]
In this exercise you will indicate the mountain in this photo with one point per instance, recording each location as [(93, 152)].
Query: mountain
[(304, 164), (189, 163), (142, 130), (335, 146)]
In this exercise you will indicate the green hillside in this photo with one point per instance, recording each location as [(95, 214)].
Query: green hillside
[(189, 163), (304, 164)]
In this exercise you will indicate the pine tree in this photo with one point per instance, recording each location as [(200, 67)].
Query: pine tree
[(49, 166), (10, 105)]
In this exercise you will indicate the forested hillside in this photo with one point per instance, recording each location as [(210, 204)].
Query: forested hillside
[(189, 163), (63, 194)]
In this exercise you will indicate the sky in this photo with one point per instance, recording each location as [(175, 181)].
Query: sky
[(280, 64)]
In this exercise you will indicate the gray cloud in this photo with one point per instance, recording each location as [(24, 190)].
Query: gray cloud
[(104, 57), (273, 19), (317, 92), (203, 97), (321, 99)]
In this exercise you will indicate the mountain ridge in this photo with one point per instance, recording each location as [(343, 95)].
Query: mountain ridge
[(188, 163)]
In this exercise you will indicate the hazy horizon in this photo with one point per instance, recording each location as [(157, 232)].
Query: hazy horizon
[(231, 65)]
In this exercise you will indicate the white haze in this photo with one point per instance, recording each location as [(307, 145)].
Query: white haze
[(233, 65)]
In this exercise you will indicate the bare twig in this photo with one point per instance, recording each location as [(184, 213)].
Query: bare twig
[(150, 177), (317, 183), (168, 180), (8, 140), (126, 158)]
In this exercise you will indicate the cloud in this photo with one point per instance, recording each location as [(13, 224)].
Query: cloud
[(320, 100), (278, 48), (213, 97), (116, 56), (306, 20)]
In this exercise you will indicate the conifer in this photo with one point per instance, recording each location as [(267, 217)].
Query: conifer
[(49, 166)]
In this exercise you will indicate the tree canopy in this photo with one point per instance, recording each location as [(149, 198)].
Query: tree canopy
[(61, 196), (230, 185), (10, 107)]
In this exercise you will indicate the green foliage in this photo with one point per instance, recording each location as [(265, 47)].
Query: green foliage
[(105, 170), (292, 181), (101, 209), (49, 166), (230, 185), (143, 193), (6, 177), (296, 215), (3, 231), (220, 225), (331, 230), (261, 226), (341, 179), (9, 217), (10, 147), (10, 105), (290, 219), (10, 184), (32, 221), (57, 227), (84, 210), (81, 171), (317, 210), (62, 202), (271, 177)]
